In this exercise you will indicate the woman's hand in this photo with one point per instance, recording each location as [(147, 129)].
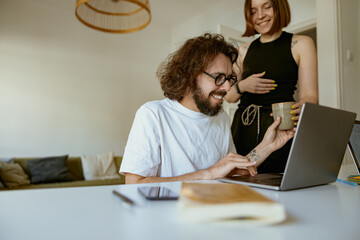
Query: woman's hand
[(276, 138), (296, 110), (256, 84)]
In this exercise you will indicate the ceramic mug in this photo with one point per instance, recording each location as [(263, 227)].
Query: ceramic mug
[(283, 110)]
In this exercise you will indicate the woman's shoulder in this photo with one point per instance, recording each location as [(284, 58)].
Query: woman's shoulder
[(301, 40), (244, 46), (302, 46)]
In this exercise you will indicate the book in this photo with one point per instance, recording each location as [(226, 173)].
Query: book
[(354, 178), (226, 203)]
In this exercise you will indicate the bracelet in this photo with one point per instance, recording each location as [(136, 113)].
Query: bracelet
[(237, 88)]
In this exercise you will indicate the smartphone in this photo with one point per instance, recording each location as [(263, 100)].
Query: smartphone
[(158, 193)]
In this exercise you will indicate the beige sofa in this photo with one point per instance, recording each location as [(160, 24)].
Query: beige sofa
[(76, 173)]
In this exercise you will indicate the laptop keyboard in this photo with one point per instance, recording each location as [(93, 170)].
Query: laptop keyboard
[(269, 181), (262, 179), (273, 181)]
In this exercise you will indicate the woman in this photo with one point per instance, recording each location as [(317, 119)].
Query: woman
[(271, 66)]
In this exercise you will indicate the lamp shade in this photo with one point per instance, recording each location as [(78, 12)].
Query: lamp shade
[(114, 16)]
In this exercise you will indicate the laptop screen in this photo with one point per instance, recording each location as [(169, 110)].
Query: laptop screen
[(354, 143)]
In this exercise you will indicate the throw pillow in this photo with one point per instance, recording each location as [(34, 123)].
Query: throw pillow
[(99, 167), (13, 175), (6, 160), (49, 170)]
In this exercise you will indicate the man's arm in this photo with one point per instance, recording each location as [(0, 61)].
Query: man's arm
[(134, 178), (222, 168), (232, 163), (273, 140), (259, 154)]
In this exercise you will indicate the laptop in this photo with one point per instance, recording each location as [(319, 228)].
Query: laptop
[(354, 145), (316, 152)]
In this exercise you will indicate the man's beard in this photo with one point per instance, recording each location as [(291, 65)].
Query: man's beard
[(203, 103)]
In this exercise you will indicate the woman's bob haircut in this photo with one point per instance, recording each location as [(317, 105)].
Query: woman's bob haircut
[(282, 17)]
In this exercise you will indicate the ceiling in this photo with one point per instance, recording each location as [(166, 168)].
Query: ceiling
[(173, 12), (164, 12)]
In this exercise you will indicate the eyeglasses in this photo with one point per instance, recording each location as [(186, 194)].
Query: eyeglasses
[(221, 78)]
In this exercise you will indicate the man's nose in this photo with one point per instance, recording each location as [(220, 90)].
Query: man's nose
[(225, 86)]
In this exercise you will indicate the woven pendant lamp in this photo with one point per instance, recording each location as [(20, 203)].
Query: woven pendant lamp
[(114, 16)]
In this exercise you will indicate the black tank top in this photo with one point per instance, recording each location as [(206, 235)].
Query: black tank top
[(276, 59)]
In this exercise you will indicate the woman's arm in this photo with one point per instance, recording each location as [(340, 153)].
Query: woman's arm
[(233, 96), (304, 53), (253, 84), (308, 72)]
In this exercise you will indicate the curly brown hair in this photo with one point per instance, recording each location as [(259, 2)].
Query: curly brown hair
[(179, 72)]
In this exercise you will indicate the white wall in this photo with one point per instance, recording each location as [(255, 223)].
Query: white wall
[(230, 13), (338, 24), (350, 64), (68, 89), (328, 52), (350, 44)]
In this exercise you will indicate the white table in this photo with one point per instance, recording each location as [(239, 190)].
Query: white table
[(85, 213)]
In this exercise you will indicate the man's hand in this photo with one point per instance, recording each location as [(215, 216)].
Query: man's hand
[(256, 84), (230, 165), (243, 172), (276, 138)]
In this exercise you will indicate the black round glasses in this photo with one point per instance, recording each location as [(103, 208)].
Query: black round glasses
[(221, 78)]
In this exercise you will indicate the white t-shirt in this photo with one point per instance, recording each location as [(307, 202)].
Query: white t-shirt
[(168, 139)]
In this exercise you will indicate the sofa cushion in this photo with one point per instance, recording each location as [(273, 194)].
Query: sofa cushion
[(99, 167), (49, 170), (81, 183), (7, 160), (13, 175), (75, 168)]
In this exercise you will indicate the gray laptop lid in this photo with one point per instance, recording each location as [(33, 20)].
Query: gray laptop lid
[(318, 147), (354, 145), (316, 152)]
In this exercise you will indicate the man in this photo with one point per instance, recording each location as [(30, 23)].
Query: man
[(187, 135)]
